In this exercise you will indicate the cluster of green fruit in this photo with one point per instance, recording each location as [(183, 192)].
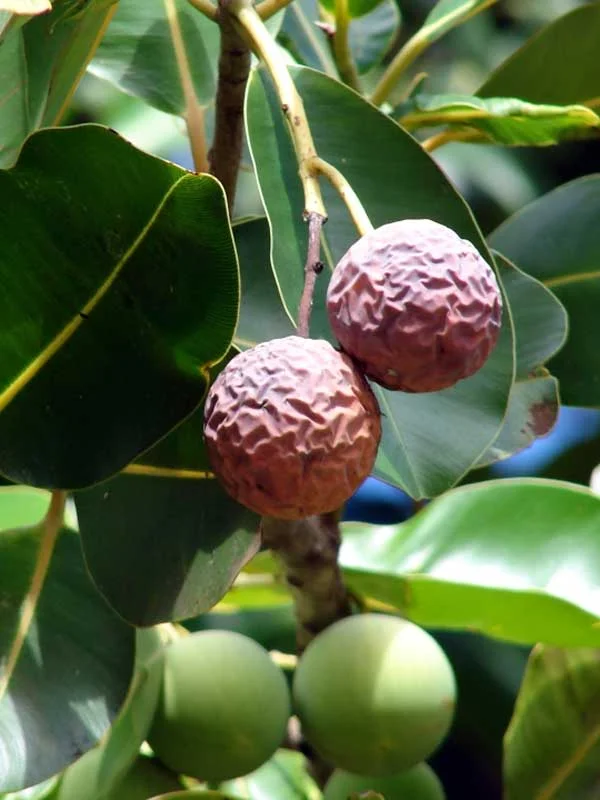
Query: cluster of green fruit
[(374, 695)]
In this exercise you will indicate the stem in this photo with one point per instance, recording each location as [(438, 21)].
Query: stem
[(439, 139), (341, 46), (291, 102), (205, 7), (267, 8), (50, 529), (357, 211), (312, 268), (234, 68), (308, 550), (194, 113), (413, 48)]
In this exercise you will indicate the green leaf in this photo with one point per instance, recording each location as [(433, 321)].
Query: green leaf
[(304, 39), (87, 778), (14, 116), (167, 520), (120, 289), (517, 560), (262, 312), (501, 120), (372, 35), (556, 239), (552, 746), (285, 777), (540, 323), (137, 53), (537, 74), (429, 441), (76, 657), (448, 14), (540, 319), (41, 64)]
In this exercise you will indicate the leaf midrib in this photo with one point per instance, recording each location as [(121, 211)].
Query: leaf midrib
[(35, 366)]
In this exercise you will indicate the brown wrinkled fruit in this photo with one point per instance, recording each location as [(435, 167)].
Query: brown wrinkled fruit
[(415, 306), (291, 428)]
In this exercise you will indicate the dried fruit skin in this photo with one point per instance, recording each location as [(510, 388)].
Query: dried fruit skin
[(415, 305), (291, 428)]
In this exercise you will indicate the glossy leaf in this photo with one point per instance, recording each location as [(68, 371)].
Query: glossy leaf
[(137, 53), (517, 560), (183, 538), (552, 746), (262, 312), (76, 659), (372, 35), (41, 64), (143, 779), (557, 240), (285, 777), (540, 323), (168, 521), (501, 120), (448, 14), (536, 74), (305, 39), (431, 440), (100, 362), (14, 119)]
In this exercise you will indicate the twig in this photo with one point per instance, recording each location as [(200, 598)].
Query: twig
[(447, 136), (194, 113), (356, 209), (341, 46), (291, 102), (267, 8), (234, 68), (50, 529), (417, 44), (312, 268), (205, 7)]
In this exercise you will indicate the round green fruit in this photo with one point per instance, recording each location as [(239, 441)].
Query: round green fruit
[(223, 708), (417, 783), (144, 779), (375, 694)]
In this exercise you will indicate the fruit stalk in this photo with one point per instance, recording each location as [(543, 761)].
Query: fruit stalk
[(308, 549), (312, 268)]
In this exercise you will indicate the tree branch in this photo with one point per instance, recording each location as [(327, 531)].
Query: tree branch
[(308, 550), (234, 68)]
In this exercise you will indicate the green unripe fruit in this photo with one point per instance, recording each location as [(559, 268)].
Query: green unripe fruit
[(375, 694), (223, 708), (417, 783), (83, 780)]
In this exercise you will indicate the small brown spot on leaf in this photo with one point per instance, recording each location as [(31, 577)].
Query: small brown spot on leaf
[(542, 417)]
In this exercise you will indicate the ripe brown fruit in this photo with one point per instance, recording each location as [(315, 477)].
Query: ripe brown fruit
[(415, 306), (291, 428)]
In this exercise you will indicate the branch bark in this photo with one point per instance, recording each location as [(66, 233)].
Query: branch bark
[(308, 550), (234, 68)]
